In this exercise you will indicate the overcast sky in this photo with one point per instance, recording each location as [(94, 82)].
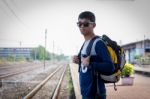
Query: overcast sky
[(25, 21)]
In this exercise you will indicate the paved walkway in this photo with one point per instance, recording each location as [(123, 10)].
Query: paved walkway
[(144, 69), (75, 78), (140, 89)]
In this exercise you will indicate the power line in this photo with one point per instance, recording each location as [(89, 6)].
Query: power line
[(4, 11), (6, 3), (13, 12), (13, 2)]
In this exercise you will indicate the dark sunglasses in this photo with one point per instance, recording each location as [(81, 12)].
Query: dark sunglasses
[(85, 24)]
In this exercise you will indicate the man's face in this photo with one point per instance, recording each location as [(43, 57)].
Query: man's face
[(85, 26)]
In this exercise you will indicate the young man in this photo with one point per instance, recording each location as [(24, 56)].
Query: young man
[(99, 61)]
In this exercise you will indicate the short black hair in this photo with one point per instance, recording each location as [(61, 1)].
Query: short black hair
[(87, 15)]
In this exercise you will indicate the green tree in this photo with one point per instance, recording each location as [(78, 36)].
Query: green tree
[(38, 53)]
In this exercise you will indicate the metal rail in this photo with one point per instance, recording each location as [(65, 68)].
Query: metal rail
[(39, 86), (16, 73), (56, 92)]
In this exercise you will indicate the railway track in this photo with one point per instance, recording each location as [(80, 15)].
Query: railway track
[(59, 72), (16, 72), (18, 86), (9, 71)]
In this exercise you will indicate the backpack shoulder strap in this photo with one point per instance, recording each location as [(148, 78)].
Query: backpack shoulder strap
[(89, 48), (79, 55)]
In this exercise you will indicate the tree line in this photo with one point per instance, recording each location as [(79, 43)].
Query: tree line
[(39, 53)]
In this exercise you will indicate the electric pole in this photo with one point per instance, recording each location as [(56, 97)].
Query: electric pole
[(45, 46), (120, 42), (20, 44), (144, 45), (53, 49)]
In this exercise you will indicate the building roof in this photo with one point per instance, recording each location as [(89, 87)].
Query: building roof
[(133, 43)]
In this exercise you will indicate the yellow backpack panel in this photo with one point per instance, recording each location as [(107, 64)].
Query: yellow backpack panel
[(112, 54)]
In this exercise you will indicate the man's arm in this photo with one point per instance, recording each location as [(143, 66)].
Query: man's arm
[(106, 66)]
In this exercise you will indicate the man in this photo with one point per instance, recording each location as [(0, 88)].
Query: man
[(99, 61)]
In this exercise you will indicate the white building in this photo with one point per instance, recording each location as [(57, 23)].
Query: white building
[(16, 51)]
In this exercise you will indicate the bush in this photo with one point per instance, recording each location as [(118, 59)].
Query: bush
[(128, 70), (20, 58), (144, 60), (11, 58), (137, 56)]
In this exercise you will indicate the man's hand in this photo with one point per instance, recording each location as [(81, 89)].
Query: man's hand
[(75, 59), (86, 61)]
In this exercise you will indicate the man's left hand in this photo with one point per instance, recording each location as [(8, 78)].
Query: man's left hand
[(86, 61)]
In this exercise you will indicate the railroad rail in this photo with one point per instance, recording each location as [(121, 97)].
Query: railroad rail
[(15, 72), (40, 85), (8, 71)]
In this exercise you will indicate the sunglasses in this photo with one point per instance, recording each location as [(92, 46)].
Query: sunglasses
[(85, 24)]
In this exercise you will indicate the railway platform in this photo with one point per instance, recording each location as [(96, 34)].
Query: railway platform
[(139, 90)]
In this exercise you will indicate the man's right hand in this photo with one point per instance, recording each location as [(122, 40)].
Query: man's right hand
[(75, 59)]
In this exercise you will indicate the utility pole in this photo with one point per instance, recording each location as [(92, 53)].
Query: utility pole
[(19, 50), (53, 49), (144, 45), (45, 46), (120, 42), (35, 53), (20, 44)]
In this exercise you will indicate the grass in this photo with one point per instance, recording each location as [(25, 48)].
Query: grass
[(70, 87)]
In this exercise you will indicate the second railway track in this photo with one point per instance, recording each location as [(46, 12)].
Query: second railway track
[(18, 86), (8, 71)]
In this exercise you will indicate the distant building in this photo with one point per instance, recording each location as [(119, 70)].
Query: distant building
[(137, 48), (16, 51)]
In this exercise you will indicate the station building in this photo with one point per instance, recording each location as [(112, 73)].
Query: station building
[(133, 49)]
